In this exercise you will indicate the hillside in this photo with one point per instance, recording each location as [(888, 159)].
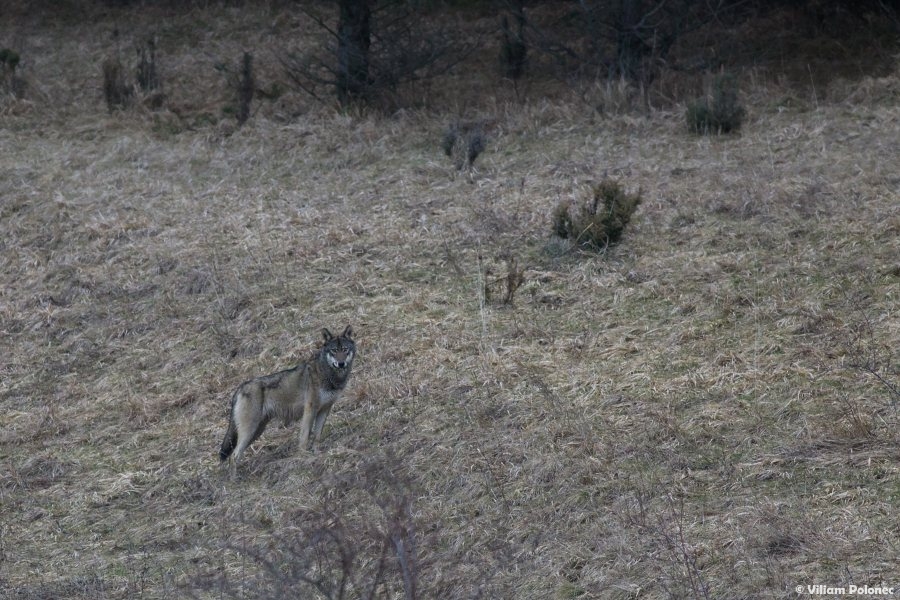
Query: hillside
[(708, 409)]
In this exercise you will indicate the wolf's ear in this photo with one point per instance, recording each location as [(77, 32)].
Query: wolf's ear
[(348, 332), (326, 334)]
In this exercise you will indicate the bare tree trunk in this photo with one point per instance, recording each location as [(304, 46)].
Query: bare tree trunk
[(246, 87), (354, 37), (630, 46), (514, 53)]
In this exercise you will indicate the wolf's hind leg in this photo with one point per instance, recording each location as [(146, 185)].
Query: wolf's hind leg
[(250, 420)]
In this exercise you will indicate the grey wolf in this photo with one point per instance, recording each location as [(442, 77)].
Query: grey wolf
[(306, 392)]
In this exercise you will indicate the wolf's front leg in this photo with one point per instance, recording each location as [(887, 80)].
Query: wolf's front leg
[(306, 422), (320, 423)]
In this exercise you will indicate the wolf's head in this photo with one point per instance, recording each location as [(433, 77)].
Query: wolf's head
[(339, 351)]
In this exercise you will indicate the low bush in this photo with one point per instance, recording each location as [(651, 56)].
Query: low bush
[(720, 112), (9, 82), (601, 220), (116, 90)]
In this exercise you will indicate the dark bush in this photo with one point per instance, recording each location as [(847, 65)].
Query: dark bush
[(9, 82), (146, 75), (9, 59), (601, 220), (719, 113), (115, 90)]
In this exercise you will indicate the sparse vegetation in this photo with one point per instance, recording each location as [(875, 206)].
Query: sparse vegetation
[(116, 89), (333, 550), (710, 410), (146, 76), (868, 353), (373, 49), (502, 288), (449, 138), (9, 60), (601, 220), (721, 112)]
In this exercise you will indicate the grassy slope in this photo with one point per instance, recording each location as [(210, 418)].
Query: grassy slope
[(680, 412)]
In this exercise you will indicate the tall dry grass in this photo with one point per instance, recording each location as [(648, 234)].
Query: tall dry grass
[(705, 410)]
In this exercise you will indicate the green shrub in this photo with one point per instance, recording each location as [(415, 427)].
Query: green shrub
[(9, 59), (601, 220), (9, 82), (720, 113)]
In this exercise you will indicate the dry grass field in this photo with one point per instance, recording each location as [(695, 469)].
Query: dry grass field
[(710, 409)]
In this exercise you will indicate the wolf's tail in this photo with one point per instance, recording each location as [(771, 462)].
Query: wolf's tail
[(229, 442)]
